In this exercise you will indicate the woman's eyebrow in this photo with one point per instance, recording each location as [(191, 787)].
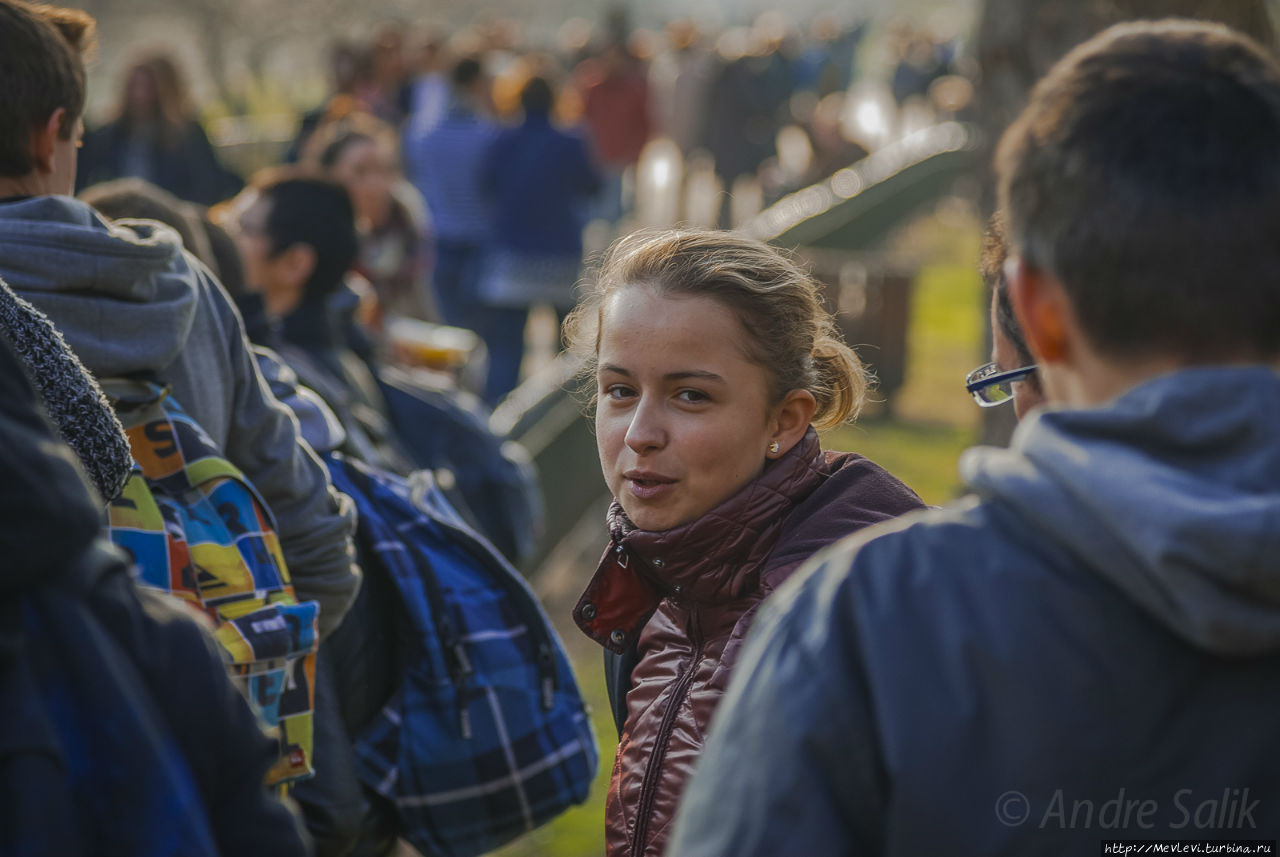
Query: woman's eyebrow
[(697, 374), (610, 369)]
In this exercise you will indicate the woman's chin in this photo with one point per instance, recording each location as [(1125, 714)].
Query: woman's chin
[(646, 517)]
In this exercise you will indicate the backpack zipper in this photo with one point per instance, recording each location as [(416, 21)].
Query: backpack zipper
[(653, 771)]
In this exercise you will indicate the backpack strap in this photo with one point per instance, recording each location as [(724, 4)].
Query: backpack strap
[(129, 396)]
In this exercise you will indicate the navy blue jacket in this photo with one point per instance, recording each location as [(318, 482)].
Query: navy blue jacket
[(190, 170), (1087, 650), (538, 179)]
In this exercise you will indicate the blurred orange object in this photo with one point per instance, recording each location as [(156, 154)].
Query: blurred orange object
[(432, 346)]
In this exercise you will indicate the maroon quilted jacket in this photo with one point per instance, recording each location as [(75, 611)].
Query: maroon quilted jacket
[(687, 596)]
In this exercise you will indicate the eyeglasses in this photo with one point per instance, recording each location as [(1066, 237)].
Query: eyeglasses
[(990, 387)]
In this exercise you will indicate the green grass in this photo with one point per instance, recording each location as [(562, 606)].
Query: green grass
[(933, 421), (933, 418)]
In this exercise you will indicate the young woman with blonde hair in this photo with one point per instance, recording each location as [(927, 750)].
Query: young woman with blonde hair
[(714, 366)]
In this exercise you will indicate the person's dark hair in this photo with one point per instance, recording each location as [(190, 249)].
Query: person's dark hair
[(995, 250), (537, 96), (1144, 175), (466, 72), (136, 199), (225, 257), (308, 209), (788, 331), (41, 69), (332, 139)]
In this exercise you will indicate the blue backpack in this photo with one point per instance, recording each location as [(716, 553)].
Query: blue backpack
[(487, 736)]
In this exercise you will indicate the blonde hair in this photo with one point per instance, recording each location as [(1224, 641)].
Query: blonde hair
[(788, 331)]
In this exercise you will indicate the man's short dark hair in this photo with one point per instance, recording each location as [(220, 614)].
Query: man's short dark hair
[(466, 72), (537, 96), (312, 210), (1144, 174), (41, 69)]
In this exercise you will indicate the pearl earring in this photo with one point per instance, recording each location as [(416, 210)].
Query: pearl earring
[(773, 447)]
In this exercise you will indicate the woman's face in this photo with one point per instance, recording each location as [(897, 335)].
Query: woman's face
[(141, 93), (684, 419), (364, 168)]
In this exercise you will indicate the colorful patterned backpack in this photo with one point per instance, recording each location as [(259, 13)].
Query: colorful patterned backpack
[(198, 530)]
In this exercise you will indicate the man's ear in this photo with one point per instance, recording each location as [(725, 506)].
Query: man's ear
[(1042, 309), (44, 138), (791, 420)]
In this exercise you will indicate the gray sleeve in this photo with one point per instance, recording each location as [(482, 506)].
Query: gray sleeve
[(315, 522), (791, 767)]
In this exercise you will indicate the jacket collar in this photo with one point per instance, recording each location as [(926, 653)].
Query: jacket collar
[(715, 559)]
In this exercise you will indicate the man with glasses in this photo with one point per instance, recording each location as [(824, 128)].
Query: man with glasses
[(1011, 374), (1088, 650)]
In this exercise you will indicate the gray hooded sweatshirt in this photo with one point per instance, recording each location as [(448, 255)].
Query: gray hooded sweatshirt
[(129, 300)]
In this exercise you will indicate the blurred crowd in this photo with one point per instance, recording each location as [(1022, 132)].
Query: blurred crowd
[(259, 524), (475, 160)]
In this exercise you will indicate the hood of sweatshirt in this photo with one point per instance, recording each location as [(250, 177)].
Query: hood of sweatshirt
[(1171, 492), (123, 293)]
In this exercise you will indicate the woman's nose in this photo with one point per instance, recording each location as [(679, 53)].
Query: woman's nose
[(646, 432)]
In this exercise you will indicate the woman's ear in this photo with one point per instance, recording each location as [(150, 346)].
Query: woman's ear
[(791, 419)]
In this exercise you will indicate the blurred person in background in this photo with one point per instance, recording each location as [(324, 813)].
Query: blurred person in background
[(922, 59), (832, 148), (538, 178), (429, 85), (679, 78), (383, 88), (746, 102), (346, 63), (615, 106), (826, 64), (156, 136), (448, 171), (360, 153)]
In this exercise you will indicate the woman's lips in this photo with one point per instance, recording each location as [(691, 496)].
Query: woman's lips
[(644, 485)]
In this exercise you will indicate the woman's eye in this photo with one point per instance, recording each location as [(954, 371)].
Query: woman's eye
[(693, 396), (618, 392)]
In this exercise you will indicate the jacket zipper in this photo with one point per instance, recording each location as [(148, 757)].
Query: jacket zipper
[(653, 771)]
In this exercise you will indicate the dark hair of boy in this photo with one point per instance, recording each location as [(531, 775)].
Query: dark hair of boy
[(134, 198), (1144, 177), (42, 67), (317, 212)]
